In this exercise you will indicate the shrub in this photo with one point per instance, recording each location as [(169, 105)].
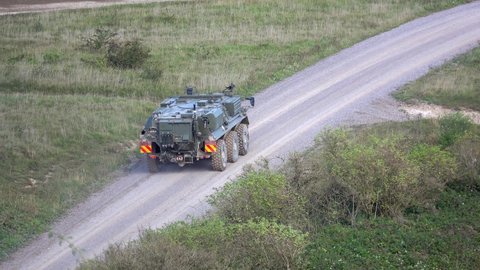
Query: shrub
[(152, 71), (378, 176), (308, 174), (265, 244), (209, 244), (152, 251), (444, 239), (453, 127), (467, 152), (437, 167), (260, 244), (126, 54), (262, 194), (99, 39), (209, 234), (345, 176)]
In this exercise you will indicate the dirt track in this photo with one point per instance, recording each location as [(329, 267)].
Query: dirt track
[(350, 87), (10, 3), (28, 6)]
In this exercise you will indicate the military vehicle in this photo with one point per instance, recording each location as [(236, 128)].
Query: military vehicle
[(185, 129)]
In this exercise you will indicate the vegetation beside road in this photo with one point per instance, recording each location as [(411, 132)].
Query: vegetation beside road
[(55, 151), (455, 85), (69, 111), (392, 195)]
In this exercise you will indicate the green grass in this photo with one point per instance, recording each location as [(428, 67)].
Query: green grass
[(455, 85), (67, 119), (67, 144), (446, 239), (207, 44)]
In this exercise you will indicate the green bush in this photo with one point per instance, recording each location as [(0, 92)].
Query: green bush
[(437, 167), (467, 153), (444, 239), (308, 174), (265, 244), (377, 174), (152, 251), (345, 176), (258, 244), (262, 194), (209, 244), (126, 54), (453, 127), (209, 234), (152, 71)]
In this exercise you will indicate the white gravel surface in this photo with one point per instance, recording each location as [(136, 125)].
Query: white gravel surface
[(350, 87), (419, 110)]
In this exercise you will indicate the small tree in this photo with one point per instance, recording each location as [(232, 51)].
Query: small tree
[(98, 39), (261, 194), (126, 54)]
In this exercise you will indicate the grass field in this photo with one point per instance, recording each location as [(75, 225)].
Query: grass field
[(56, 149), (67, 118), (446, 239), (455, 85)]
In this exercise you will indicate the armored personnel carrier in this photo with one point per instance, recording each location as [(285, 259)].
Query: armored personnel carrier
[(188, 128)]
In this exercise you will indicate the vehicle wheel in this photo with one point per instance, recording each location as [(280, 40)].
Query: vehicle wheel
[(232, 146), (153, 164), (219, 158), (244, 139)]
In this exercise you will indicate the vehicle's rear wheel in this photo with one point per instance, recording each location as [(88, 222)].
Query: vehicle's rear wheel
[(219, 158), (232, 146), (153, 164), (243, 139)]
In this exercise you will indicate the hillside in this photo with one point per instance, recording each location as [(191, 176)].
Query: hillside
[(390, 195), (71, 105)]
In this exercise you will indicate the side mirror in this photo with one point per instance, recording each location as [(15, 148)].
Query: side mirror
[(252, 101)]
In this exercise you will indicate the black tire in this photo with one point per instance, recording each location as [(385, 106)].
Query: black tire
[(219, 158), (232, 146), (153, 164), (243, 139)]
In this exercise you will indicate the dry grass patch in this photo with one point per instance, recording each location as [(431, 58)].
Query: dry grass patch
[(455, 85), (207, 44)]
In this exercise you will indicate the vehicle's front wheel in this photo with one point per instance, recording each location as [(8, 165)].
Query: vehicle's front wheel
[(232, 146), (219, 158), (243, 138), (153, 164)]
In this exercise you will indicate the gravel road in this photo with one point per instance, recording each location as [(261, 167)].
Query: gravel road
[(30, 6), (350, 87)]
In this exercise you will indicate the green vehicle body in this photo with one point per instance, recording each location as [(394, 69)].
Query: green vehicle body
[(188, 128)]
